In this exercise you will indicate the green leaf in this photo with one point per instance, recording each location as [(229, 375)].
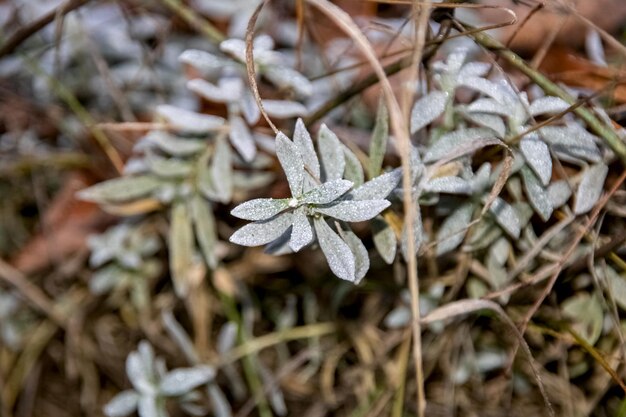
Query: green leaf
[(120, 189), (337, 252), (304, 144), (353, 170), (378, 143), (175, 146), (122, 404), (453, 229), (222, 171), (205, 229), (385, 239), (169, 167), (241, 138), (260, 233), (182, 380), (181, 248), (260, 208), (331, 154), (189, 121), (506, 217), (427, 109), (327, 192), (292, 163), (378, 188), (301, 232), (590, 188), (361, 257), (537, 194), (354, 211), (586, 311)]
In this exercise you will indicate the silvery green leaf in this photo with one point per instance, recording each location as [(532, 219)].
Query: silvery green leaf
[(418, 233), (234, 47), (616, 285), (301, 232), (537, 155), (284, 109), (590, 188), (241, 138), (453, 229), (480, 180), (175, 146), (354, 211), (485, 233), (537, 194), (292, 163), (205, 229), (450, 142), (327, 192), (488, 105), (571, 141), (378, 143), (398, 318), (140, 374), (181, 245), (337, 252), (182, 380), (202, 60), (260, 208), (122, 404), (219, 403), (353, 170), (247, 181), (280, 245), (105, 279), (361, 257), (492, 89), (427, 109), (385, 239), (474, 69), (506, 217), (260, 233), (285, 77), (379, 187), (169, 167), (249, 107), (558, 193), (222, 171), (547, 105), (189, 121), (450, 185), (304, 144), (331, 154), (121, 189), (148, 407), (212, 92), (586, 311), (489, 121)]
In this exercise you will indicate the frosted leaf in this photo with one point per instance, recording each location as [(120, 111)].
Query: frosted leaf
[(473, 69), (241, 138), (301, 232), (354, 211), (590, 188), (353, 170), (337, 252), (205, 229), (480, 180), (204, 61), (488, 88), (616, 284), (548, 105), (189, 121), (221, 171), (212, 92), (537, 194), (260, 208), (586, 311), (260, 233), (304, 144), (452, 230), (327, 192), (292, 163), (427, 109), (385, 240), (506, 217), (120, 189), (249, 107), (331, 154), (450, 142), (148, 407), (537, 155), (450, 185), (361, 257), (284, 77), (234, 47), (558, 193), (489, 121), (284, 109), (379, 187), (140, 373), (488, 105), (122, 404), (175, 146), (169, 167), (378, 143), (219, 402), (181, 245), (571, 141), (418, 233), (182, 380)]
